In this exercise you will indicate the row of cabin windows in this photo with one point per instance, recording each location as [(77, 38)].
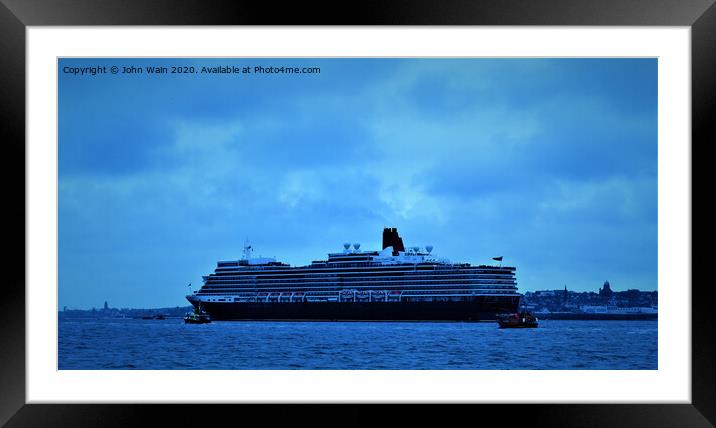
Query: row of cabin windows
[(390, 268), (480, 280), (283, 289), (361, 284), (402, 298), (382, 275), (408, 292)]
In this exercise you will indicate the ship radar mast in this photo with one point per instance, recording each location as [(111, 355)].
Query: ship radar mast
[(247, 249)]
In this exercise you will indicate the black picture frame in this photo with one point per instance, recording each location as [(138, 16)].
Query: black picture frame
[(16, 15)]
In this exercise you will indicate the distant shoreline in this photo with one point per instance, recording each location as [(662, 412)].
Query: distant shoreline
[(595, 316), (179, 312), (172, 312)]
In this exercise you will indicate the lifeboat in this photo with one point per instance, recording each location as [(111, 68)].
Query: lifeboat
[(377, 295), (347, 295), (394, 294), (247, 297)]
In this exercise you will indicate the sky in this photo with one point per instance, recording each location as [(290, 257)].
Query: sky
[(550, 163)]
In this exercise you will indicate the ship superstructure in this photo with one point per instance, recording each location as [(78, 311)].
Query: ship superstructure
[(396, 283)]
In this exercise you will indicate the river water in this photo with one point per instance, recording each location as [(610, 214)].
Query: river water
[(124, 344)]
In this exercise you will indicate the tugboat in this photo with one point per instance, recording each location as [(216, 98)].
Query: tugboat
[(197, 317), (517, 320)]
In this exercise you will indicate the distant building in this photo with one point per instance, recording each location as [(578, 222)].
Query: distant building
[(632, 293), (606, 290), (105, 305), (565, 300)]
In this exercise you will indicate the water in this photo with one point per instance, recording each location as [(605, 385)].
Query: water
[(91, 344)]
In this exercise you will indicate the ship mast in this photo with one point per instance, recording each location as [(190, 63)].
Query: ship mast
[(247, 249)]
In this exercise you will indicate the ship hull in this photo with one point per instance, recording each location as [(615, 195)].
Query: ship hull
[(361, 311)]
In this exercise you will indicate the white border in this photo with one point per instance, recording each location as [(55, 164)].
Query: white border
[(670, 383)]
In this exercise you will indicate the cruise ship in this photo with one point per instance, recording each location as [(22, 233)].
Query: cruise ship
[(395, 283)]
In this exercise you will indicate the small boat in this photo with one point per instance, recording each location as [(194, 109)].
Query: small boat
[(197, 317), (194, 318), (154, 317), (517, 320)]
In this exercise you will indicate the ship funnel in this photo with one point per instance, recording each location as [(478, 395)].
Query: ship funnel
[(428, 248), (346, 245), (392, 239), (356, 246)]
